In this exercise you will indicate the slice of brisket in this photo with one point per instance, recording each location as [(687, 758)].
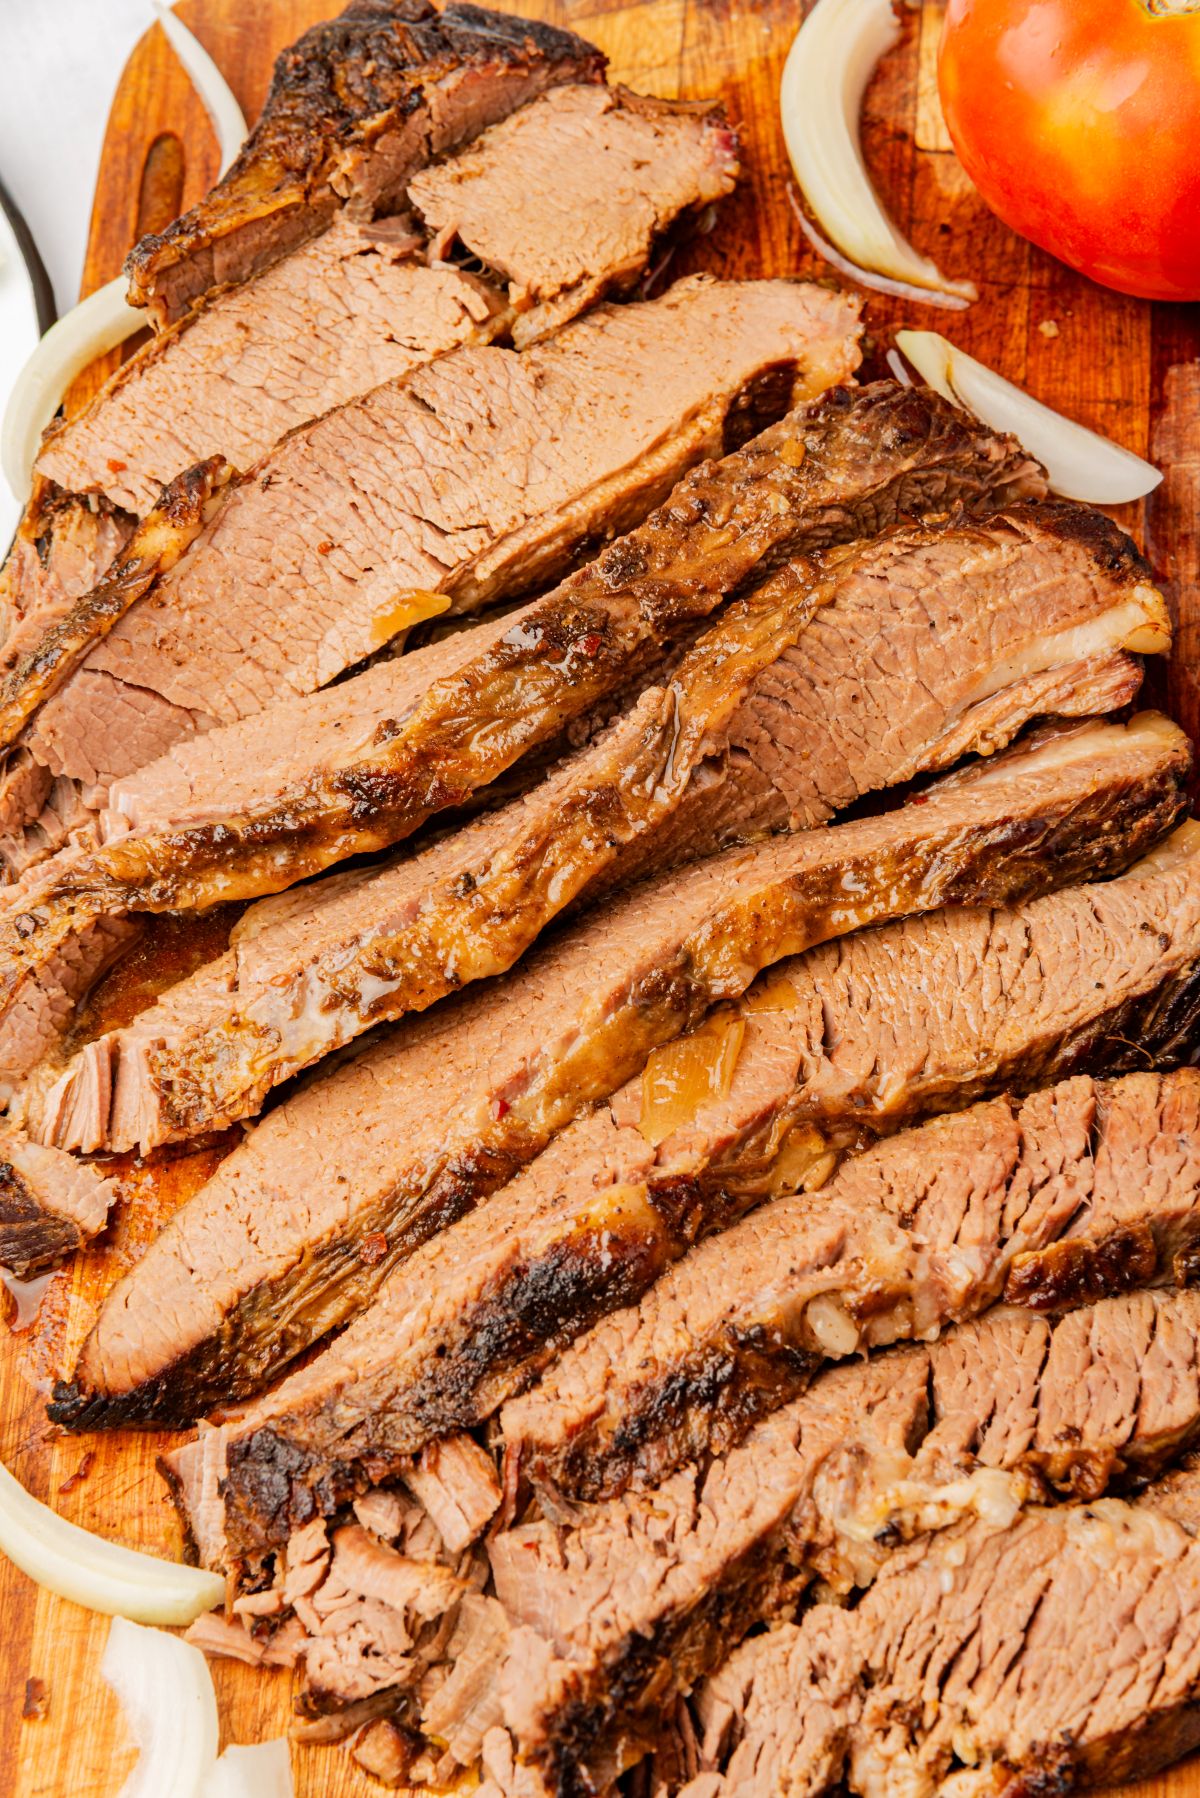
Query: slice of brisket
[(594, 1219), (600, 1622), (356, 106), (752, 706), (394, 1145), (480, 476), (63, 547), (618, 166), (49, 1203), (1059, 1651), (153, 550), (314, 779), (368, 302), (1082, 1190), (615, 1617), (357, 306)]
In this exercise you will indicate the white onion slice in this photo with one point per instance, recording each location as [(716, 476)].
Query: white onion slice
[(899, 368), (26, 1295), (105, 319), (101, 1575), (263, 1771), (166, 1692), (1080, 464), (90, 329), (228, 119), (824, 79), (866, 277)]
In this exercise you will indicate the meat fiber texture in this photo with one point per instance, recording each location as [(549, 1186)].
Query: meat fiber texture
[(737, 743), (613, 1619), (1083, 1190), (456, 1102), (600, 1622), (1064, 1647), (369, 301), (477, 476), (355, 107)]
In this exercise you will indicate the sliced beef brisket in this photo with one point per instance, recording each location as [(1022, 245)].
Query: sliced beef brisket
[(623, 168), (480, 476), (908, 1237), (752, 705), (63, 547), (1061, 1650), (600, 1622), (368, 302), (1083, 1189), (49, 1203), (309, 781), (613, 1618), (394, 1145), (356, 106), (312, 780)]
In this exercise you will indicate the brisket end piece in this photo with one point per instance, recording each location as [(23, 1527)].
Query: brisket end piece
[(49, 1203), (63, 546), (200, 1315), (355, 106), (183, 508)]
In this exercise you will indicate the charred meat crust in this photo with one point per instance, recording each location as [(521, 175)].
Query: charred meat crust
[(538, 1308), (275, 1483), (706, 1404), (31, 1237), (765, 1583), (1101, 831), (866, 458), (333, 1280), (338, 90), (1111, 547)]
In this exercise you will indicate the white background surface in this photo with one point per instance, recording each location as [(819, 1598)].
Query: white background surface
[(60, 61)]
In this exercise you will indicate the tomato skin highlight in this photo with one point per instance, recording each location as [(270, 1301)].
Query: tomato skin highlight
[(1079, 123)]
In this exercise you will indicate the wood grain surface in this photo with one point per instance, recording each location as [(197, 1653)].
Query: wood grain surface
[(1125, 367)]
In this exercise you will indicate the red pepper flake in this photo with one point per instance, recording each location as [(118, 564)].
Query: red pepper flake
[(115, 466), (324, 547), (500, 1108), (373, 1247), (589, 645), (80, 1474), (919, 799), (36, 1699)]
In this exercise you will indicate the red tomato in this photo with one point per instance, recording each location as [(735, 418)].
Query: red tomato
[(1079, 122)]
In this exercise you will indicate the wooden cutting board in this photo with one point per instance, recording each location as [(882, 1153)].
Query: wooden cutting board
[(1125, 367)]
